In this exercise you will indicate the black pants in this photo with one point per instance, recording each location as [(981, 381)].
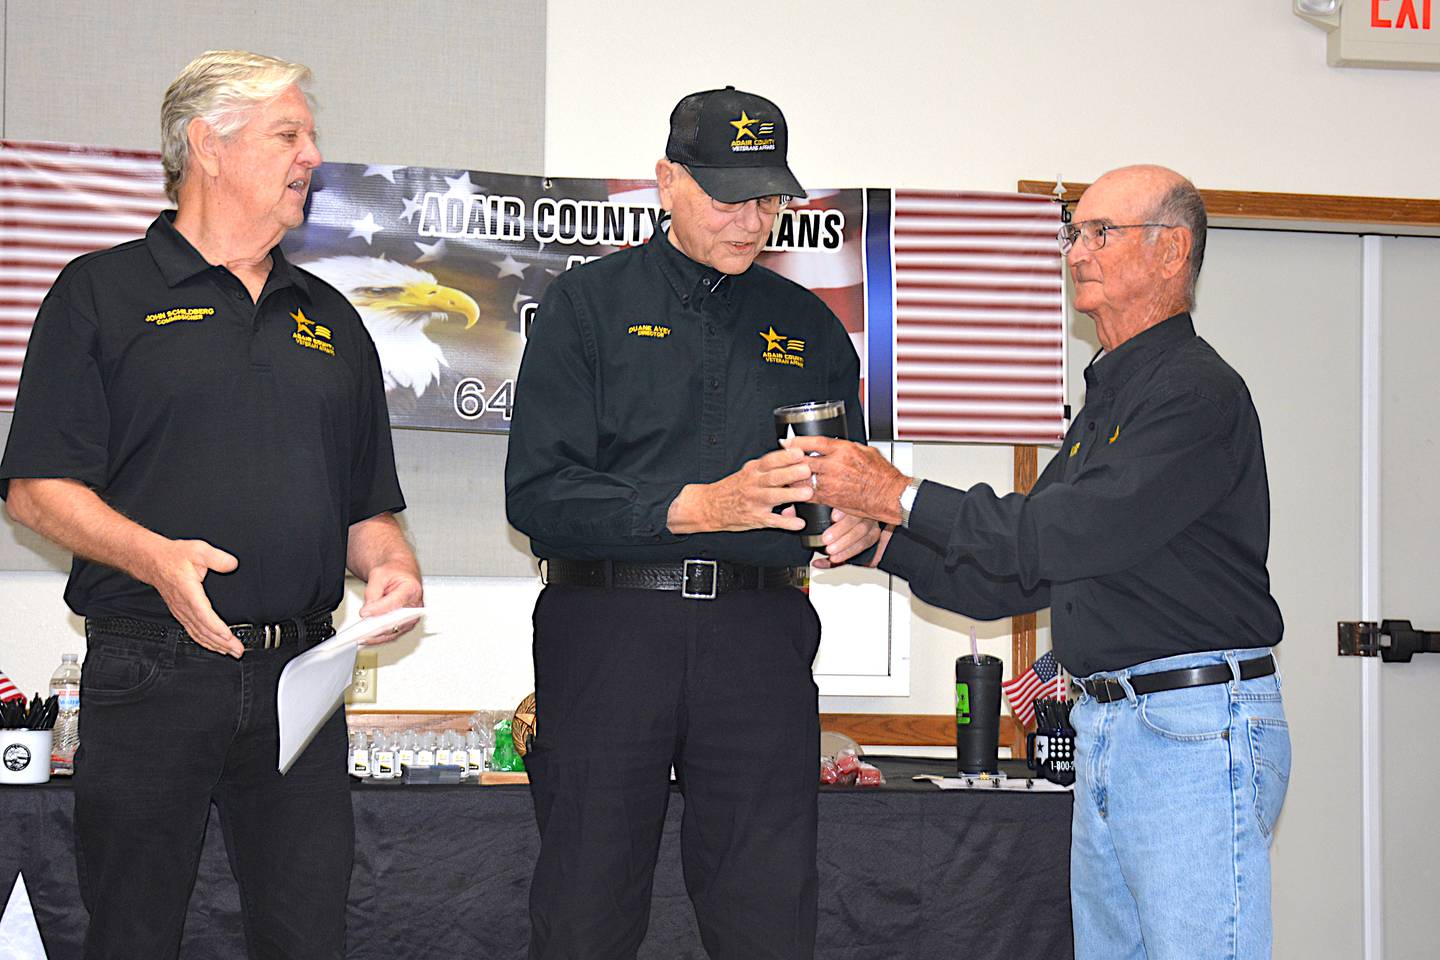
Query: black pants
[(629, 682), (167, 727)]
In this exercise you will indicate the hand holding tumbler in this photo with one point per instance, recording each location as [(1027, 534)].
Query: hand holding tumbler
[(819, 418)]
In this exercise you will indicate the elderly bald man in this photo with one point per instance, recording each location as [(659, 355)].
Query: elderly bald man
[(204, 425), (1147, 536)]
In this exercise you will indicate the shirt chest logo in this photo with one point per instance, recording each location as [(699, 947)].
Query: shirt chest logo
[(163, 318), (782, 349), (654, 330), (311, 335)]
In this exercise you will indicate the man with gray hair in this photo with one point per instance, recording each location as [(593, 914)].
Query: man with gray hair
[(1146, 536), (204, 425)]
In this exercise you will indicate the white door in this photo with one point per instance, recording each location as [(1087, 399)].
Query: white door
[(1409, 557)]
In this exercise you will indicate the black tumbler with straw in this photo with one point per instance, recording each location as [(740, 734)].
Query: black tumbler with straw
[(977, 714), (820, 418)]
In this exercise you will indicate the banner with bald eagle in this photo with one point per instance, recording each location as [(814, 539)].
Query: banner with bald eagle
[(953, 300)]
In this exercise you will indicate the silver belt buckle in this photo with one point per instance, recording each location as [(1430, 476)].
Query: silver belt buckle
[(695, 568), (272, 636)]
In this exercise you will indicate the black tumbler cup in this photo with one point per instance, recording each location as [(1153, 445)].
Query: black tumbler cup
[(977, 714), (821, 418)]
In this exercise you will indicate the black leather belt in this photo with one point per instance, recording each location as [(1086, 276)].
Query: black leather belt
[(1108, 691), (695, 579), (252, 636)]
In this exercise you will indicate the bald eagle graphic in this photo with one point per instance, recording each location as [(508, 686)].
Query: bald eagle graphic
[(397, 302)]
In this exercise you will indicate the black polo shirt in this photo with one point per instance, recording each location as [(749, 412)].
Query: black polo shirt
[(646, 371), (1147, 534), (260, 428)]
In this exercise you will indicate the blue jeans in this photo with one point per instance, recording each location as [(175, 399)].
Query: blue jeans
[(1176, 795)]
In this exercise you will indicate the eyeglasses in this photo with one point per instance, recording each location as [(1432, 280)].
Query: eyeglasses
[(1093, 233), (767, 205)]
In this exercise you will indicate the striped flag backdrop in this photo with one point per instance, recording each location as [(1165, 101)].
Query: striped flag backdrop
[(979, 318), (957, 306), (58, 201)]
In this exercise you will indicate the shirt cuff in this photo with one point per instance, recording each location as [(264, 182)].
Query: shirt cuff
[(906, 556), (936, 506)]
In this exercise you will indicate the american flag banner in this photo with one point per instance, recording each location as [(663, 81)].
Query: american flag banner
[(1022, 691), (978, 318), (58, 201), (8, 690)]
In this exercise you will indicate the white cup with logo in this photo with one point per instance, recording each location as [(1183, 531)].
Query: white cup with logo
[(25, 756)]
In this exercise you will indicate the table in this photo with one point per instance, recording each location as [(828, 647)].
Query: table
[(906, 872)]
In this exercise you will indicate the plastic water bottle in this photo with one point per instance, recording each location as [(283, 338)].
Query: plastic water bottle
[(65, 684)]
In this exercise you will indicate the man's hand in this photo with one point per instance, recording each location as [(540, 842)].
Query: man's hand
[(855, 478), (379, 553), (846, 536), (177, 569), (746, 499)]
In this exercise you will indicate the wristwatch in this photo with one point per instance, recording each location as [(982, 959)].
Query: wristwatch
[(907, 500)]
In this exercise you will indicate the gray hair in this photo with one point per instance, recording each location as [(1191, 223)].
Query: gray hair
[(221, 87), (1183, 206)]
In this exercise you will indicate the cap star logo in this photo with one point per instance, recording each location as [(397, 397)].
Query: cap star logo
[(782, 349), (743, 125), (311, 335), (747, 139)]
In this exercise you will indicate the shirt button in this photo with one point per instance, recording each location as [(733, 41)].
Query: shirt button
[(1069, 606), (1090, 425), (714, 383), (712, 439), (705, 282), (710, 329)]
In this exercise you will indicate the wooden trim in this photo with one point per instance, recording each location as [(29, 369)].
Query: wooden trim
[(889, 729), (913, 729), (1305, 207)]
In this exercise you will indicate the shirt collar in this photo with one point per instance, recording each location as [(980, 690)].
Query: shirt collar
[(178, 260), (1111, 368), (692, 282)]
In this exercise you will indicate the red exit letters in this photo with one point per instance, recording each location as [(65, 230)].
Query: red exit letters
[(1405, 19)]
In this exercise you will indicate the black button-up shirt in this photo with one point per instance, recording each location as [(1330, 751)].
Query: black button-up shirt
[(646, 371), (259, 427), (1146, 535)]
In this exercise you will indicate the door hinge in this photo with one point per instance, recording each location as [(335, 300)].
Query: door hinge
[(1394, 641)]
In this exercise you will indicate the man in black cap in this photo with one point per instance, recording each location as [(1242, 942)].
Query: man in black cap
[(644, 468)]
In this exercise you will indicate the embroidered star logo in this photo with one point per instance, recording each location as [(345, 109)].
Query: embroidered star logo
[(303, 324), (772, 341), (1116, 435), (742, 126)]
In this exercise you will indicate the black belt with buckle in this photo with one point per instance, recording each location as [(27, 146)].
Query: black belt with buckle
[(1107, 691), (695, 579), (252, 636)]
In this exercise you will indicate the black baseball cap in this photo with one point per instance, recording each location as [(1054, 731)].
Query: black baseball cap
[(733, 143)]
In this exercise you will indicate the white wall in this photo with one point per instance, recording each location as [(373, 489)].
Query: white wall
[(1234, 93)]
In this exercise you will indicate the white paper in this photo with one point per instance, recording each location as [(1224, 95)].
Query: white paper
[(312, 685), (19, 934), (1016, 785)]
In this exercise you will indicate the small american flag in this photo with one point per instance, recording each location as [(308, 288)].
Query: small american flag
[(1021, 692), (8, 690), (58, 201)]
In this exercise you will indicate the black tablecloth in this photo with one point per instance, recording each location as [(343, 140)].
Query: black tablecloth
[(906, 872)]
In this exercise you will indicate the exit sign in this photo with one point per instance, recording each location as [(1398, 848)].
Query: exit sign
[(1381, 33)]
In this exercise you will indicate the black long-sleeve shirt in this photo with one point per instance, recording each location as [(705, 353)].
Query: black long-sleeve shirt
[(1146, 535), (646, 371)]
